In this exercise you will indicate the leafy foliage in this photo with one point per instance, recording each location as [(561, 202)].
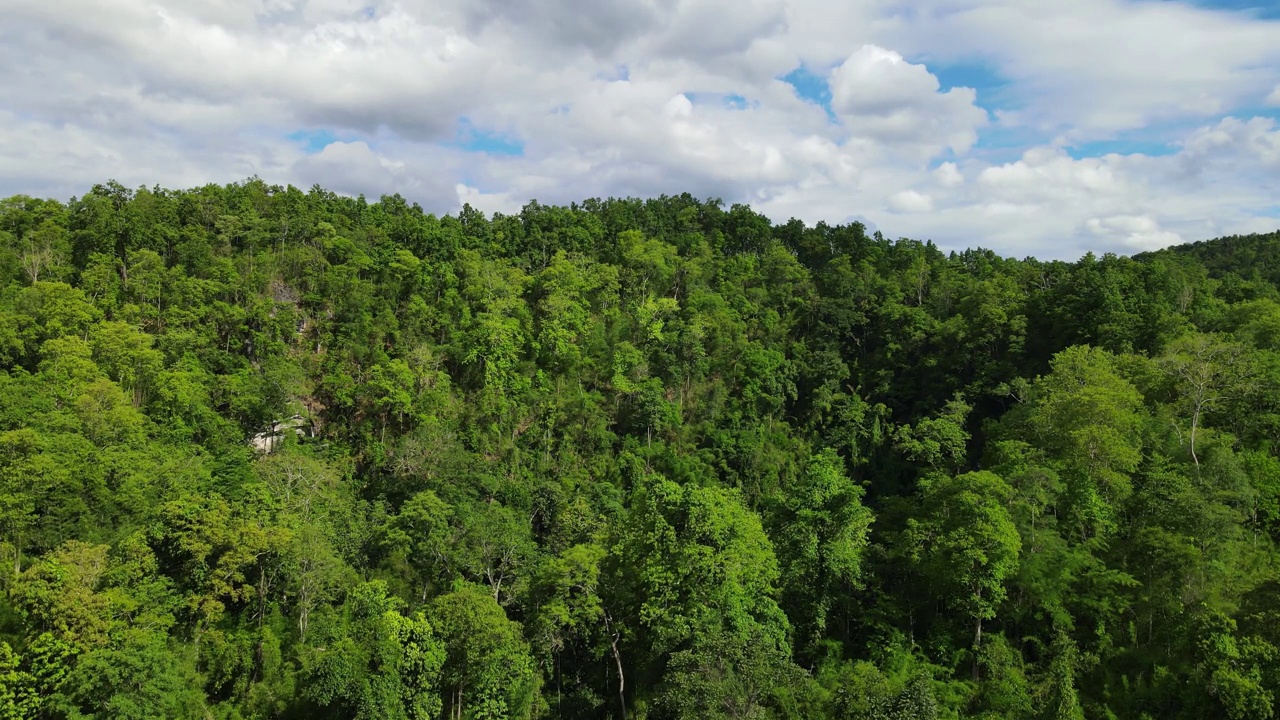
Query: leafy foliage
[(267, 453)]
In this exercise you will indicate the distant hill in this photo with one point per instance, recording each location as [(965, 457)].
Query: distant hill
[(1250, 257)]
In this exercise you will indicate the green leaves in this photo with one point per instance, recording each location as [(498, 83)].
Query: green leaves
[(1087, 421), (693, 556), (820, 530), (383, 664), (488, 671), (623, 458), (965, 543)]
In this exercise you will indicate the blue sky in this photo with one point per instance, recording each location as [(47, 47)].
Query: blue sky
[(811, 86), (480, 140), (1250, 7), (1032, 128), (313, 141)]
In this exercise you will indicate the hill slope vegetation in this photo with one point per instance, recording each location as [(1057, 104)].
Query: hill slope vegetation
[(267, 453)]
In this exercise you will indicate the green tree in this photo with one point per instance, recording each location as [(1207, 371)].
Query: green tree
[(966, 544), (488, 671), (820, 530), (383, 665)]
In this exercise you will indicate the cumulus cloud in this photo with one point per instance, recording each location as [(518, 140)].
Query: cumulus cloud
[(1097, 66), (910, 201), (948, 175), (1221, 181), (881, 96), (1139, 232), (1233, 141), (643, 97), (354, 168)]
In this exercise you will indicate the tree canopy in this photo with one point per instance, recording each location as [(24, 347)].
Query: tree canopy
[(273, 453)]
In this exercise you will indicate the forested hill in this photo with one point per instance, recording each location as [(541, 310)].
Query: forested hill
[(1247, 257), (267, 453)]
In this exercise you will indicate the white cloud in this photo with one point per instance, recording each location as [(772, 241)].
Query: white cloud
[(703, 30), (1046, 174), (625, 97), (948, 175), (1233, 141), (1097, 66), (1052, 205), (602, 28), (910, 201), (354, 168), (61, 160), (1138, 232), (881, 96)]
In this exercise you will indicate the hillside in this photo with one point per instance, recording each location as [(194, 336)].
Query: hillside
[(267, 453), (1254, 258)]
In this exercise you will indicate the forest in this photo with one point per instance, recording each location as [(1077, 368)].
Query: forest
[(274, 453)]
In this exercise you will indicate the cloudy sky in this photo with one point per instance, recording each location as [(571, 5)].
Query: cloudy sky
[(1026, 126)]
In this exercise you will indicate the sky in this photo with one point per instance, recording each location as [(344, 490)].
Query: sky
[(1025, 126)]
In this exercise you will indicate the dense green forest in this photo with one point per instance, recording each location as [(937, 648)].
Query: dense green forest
[(267, 453)]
